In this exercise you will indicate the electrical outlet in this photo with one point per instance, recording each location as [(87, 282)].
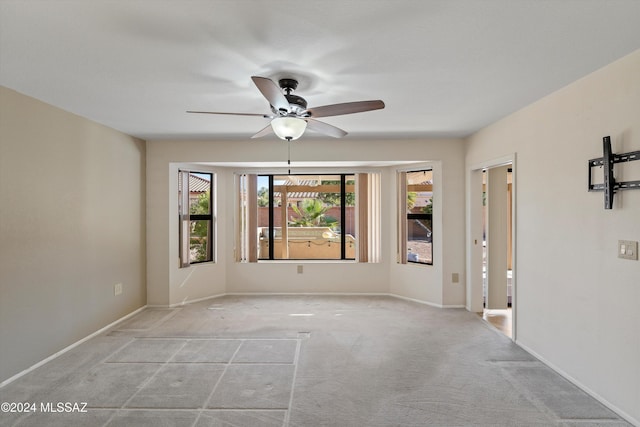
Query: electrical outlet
[(117, 289), (627, 249), (300, 270), (455, 277)]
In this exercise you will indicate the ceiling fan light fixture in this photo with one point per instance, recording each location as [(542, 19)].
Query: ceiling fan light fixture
[(288, 128)]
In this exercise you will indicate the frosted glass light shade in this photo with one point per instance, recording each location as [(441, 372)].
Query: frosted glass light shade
[(288, 127)]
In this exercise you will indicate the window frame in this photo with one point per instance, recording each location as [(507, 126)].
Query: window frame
[(185, 218), (405, 216), (343, 233)]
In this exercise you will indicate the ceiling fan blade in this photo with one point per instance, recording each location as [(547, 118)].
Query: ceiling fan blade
[(345, 108), (272, 92), (266, 116), (264, 132), (325, 128)]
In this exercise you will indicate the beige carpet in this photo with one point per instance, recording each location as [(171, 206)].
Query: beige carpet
[(303, 361)]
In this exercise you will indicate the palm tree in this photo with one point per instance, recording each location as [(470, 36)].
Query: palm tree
[(411, 199), (312, 214)]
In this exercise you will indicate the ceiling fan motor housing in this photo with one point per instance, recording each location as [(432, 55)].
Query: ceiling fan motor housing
[(297, 104), (289, 85)]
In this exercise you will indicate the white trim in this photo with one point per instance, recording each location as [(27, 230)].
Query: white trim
[(304, 170), (70, 347), (494, 163), (193, 301), (432, 304), (580, 385), (362, 294), (417, 166)]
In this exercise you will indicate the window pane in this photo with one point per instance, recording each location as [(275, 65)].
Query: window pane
[(350, 217), (196, 216), (307, 213), (263, 217), (199, 241), (313, 216), (419, 220), (419, 246), (199, 197)]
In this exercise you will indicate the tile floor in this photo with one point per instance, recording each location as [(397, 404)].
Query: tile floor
[(199, 381)]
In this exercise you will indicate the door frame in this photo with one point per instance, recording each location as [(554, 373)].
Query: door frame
[(474, 235)]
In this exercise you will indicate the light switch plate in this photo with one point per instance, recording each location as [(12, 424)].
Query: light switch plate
[(628, 249)]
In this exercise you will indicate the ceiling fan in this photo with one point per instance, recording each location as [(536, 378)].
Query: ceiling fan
[(290, 115)]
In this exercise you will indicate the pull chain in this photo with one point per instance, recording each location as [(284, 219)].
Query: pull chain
[(289, 155)]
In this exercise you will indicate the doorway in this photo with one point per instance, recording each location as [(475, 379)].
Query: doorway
[(497, 270), (491, 262)]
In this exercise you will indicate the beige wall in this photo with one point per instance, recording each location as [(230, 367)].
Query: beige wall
[(71, 227), (170, 285), (577, 303)]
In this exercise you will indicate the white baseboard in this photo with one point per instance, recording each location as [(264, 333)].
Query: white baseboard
[(419, 301), (70, 347), (348, 294), (250, 294), (192, 301), (581, 386), (362, 294)]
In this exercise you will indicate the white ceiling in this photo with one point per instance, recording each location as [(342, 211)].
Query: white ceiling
[(443, 67)]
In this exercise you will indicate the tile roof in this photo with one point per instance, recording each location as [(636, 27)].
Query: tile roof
[(301, 194), (197, 184)]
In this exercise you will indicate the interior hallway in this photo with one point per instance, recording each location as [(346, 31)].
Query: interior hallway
[(303, 361), (500, 319)]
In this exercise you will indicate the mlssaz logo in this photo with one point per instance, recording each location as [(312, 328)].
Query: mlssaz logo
[(63, 407)]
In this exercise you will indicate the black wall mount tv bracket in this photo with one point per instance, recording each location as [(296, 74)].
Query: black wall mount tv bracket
[(610, 186)]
